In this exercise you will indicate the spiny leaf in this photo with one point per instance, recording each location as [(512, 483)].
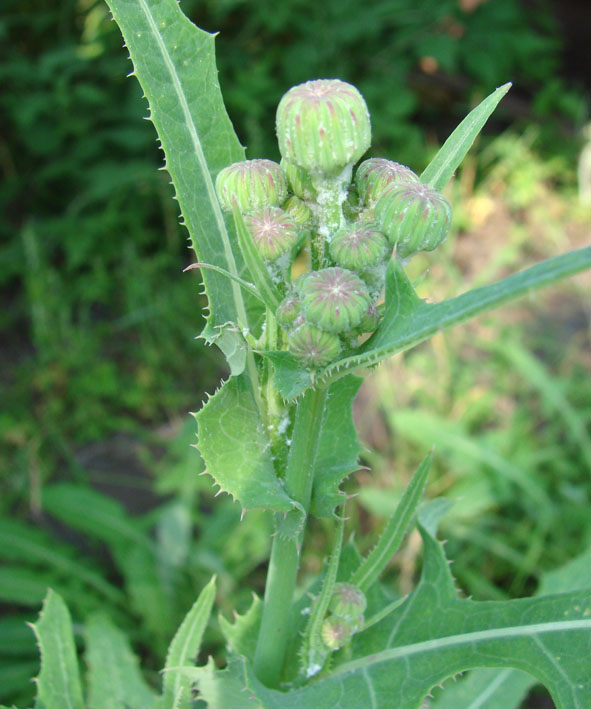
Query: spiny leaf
[(114, 677), (441, 169), (434, 635), (184, 648), (58, 684), (338, 447), (396, 528), (408, 320), (236, 450), (174, 62), (505, 689), (242, 634)]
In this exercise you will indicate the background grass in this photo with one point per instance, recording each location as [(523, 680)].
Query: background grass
[(100, 492)]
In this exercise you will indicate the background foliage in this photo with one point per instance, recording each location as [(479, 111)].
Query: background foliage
[(98, 366)]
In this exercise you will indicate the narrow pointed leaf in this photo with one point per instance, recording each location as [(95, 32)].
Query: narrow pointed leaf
[(395, 530), (184, 648), (242, 634), (114, 676), (408, 320), (174, 61), (58, 684), (236, 450), (441, 169)]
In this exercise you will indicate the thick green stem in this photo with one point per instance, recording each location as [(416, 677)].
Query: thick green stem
[(285, 553)]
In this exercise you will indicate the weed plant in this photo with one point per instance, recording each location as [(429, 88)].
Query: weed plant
[(279, 433)]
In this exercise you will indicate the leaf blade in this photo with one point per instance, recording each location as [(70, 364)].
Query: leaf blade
[(174, 62), (184, 648), (409, 321), (58, 684), (441, 169)]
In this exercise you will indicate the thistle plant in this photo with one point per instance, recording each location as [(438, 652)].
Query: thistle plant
[(278, 434)]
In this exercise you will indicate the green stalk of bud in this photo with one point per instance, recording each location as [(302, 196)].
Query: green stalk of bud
[(323, 126), (414, 217), (251, 184), (273, 232), (375, 176), (334, 299), (312, 347), (358, 246)]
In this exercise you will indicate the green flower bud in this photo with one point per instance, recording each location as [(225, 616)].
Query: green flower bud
[(323, 126), (334, 299), (347, 602), (375, 176), (414, 217), (314, 348), (251, 184), (287, 311), (336, 633), (273, 231), (299, 182), (298, 211), (358, 246)]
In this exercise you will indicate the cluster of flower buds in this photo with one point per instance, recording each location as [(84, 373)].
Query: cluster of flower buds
[(351, 223), (346, 609)]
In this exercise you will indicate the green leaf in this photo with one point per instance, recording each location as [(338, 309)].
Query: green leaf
[(93, 513), (184, 648), (114, 677), (441, 169), (434, 635), (408, 320), (58, 684), (338, 447), (15, 637), (505, 689), (223, 689), (242, 634), (289, 377), (14, 675), (25, 544), (174, 62), (395, 530), (236, 450)]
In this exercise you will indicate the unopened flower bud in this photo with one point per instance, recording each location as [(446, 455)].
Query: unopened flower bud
[(358, 246), (347, 601), (336, 633), (299, 181), (334, 299), (287, 311), (313, 347), (298, 211), (251, 184), (323, 126), (273, 231), (375, 176), (414, 217)]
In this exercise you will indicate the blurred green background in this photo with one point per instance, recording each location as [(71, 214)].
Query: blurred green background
[(99, 364)]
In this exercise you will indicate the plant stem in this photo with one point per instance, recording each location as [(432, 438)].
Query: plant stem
[(285, 553)]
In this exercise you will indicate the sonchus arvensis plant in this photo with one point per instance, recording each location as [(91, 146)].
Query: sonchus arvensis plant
[(279, 433)]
